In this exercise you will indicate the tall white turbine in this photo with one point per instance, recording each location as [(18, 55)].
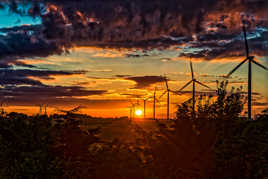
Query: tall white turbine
[(250, 60), (194, 81)]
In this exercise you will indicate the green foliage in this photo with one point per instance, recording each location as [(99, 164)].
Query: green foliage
[(241, 146), (224, 107), (25, 145)]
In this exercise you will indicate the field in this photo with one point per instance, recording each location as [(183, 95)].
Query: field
[(133, 149), (216, 140), (42, 147)]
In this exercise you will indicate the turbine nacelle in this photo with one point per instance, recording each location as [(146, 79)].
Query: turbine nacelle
[(251, 57)]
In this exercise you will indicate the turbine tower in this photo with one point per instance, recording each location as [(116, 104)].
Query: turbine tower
[(154, 103), (40, 109), (133, 109), (130, 112), (144, 106), (2, 111), (167, 91), (194, 81), (45, 111), (250, 60)]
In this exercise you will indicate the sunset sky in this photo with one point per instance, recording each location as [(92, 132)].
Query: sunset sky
[(103, 55)]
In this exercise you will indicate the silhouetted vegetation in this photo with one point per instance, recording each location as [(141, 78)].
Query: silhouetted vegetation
[(25, 148), (242, 148), (215, 143), (238, 147)]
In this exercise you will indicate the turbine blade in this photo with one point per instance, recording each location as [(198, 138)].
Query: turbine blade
[(166, 83), (148, 98), (175, 92), (162, 94), (203, 84), (185, 85), (155, 90), (192, 71), (246, 41), (260, 65), (231, 72)]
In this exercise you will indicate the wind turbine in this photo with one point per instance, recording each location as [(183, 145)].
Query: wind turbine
[(45, 106), (132, 108), (194, 81), (2, 107), (168, 97), (144, 106), (130, 112), (40, 109), (249, 59), (154, 103)]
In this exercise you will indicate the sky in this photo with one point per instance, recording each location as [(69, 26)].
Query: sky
[(105, 55)]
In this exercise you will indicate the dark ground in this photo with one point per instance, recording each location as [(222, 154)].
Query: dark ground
[(134, 149)]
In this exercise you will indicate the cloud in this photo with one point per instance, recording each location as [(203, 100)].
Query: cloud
[(21, 77), (122, 76), (219, 46), (127, 24), (25, 87), (145, 81), (32, 95), (264, 104), (20, 42)]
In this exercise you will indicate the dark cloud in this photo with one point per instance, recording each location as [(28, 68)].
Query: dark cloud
[(18, 89), (260, 104), (131, 96), (21, 77), (222, 46), (145, 81), (49, 91), (31, 95), (122, 76), (21, 42), (135, 23), (4, 65), (136, 55)]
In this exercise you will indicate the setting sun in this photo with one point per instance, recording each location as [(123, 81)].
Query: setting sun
[(138, 112)]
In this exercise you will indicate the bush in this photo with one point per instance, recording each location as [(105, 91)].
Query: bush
[(240, 146), (241, 149), (227, 106), (25, 144)]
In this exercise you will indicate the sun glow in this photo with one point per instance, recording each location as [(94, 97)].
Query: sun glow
[(138, 112)]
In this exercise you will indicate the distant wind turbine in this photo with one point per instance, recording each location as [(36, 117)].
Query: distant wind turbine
[(133, 109), (130, 111), (144, 106), (167, 91), (45, 106), (154, 103), (193, 81), (249, 59), (40, 109), (2, 107)]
